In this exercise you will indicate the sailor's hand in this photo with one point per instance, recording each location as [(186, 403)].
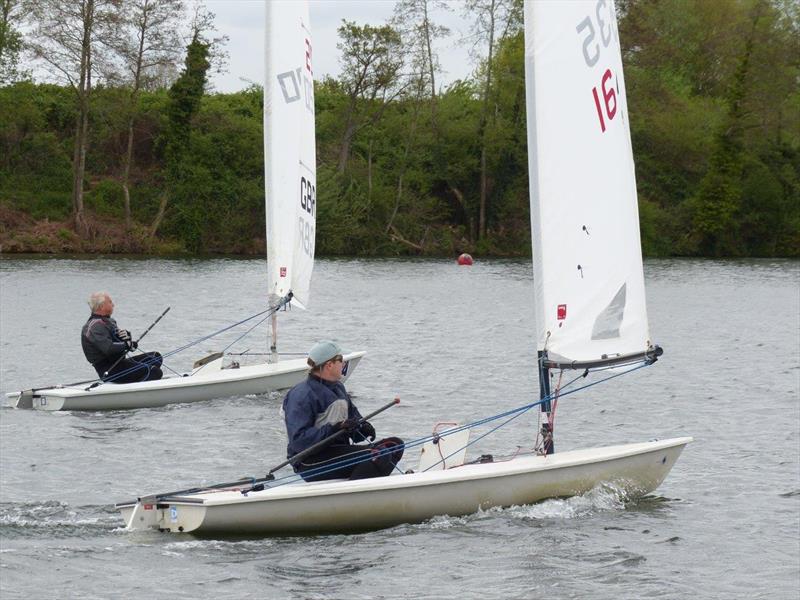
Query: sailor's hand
[(124, 335), (367, 431), (131, 345), (348, 425)]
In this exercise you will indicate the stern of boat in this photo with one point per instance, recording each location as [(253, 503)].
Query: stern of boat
[(177, 515), (48, 400), (20, 399)]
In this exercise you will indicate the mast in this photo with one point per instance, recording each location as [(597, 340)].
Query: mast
[(533, 174), (548, 445), (269, 187), (273, 347)]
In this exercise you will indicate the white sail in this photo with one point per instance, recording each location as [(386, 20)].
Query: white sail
[(289, 154), (589, 284)]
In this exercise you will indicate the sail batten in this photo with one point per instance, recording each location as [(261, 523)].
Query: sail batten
[(588, 276), (289, 152)]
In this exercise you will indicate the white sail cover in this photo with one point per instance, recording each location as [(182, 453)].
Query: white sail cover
[(289, 154), (589, 284)]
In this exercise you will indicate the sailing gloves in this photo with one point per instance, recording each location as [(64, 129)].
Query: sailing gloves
[(125, 336), (365, 430), (349, 425)]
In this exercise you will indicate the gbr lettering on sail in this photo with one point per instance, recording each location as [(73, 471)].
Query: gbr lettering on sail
[(298, 86)]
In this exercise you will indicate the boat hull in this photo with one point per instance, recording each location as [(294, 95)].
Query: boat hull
[(203, 385), (354, 506)]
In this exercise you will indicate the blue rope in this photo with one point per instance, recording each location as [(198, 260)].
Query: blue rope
[(512, 413), (216, 333), (247, 332)]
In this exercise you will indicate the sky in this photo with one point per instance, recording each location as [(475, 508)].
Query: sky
[(243, 22)]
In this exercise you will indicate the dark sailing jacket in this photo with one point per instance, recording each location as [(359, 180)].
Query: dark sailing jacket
[(100, 340), (312, 409)]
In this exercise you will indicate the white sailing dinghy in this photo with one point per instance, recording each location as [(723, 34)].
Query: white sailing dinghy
[(290, 179), (590, 313)]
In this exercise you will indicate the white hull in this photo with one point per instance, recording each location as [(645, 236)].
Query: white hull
[(351, 506), (207, 383)]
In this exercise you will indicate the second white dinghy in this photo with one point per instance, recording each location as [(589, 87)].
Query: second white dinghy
[(206, 382), (290, 191), (590, 314)]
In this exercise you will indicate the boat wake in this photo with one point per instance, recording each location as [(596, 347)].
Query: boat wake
[(53, 519), (244, 550), (606, 497)]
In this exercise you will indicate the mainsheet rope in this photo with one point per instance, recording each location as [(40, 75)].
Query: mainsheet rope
[(512, 413)]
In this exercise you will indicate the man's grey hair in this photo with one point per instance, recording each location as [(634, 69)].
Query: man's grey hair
[(96, 300)]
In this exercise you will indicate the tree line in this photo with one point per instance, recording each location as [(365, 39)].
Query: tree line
[(127, 139)]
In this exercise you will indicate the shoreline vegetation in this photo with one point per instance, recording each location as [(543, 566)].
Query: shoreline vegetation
[(115, 160)]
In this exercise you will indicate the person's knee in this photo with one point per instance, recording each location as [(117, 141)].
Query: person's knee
[(391, 447)]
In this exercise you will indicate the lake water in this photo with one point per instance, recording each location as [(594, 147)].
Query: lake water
[(455, 344)]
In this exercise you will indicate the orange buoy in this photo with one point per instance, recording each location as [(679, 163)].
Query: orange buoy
[(465, 259)]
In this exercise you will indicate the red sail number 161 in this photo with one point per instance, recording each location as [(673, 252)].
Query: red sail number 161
[(609, 99)]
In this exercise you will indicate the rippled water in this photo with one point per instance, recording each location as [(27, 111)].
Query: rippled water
[(454, 343)]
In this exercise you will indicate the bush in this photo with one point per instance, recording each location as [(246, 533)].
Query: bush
[(105, 198)]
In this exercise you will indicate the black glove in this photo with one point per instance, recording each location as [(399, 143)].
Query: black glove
[(131, 345), (124, 335), (349, 425), (367, 431)]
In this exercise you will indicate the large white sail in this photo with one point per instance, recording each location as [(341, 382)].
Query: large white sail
[(589, 284), (289, 154)]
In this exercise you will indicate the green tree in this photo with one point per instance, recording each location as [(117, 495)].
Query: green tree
[(67, 38), (494, 20), (181, 176), (10, 40), (148, 41), (719, 195), (371, 63)]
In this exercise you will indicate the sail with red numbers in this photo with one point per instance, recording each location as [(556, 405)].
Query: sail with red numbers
[(588, 278)]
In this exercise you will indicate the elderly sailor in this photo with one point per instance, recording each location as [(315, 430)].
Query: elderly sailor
[(320, 406), (105, 346)]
